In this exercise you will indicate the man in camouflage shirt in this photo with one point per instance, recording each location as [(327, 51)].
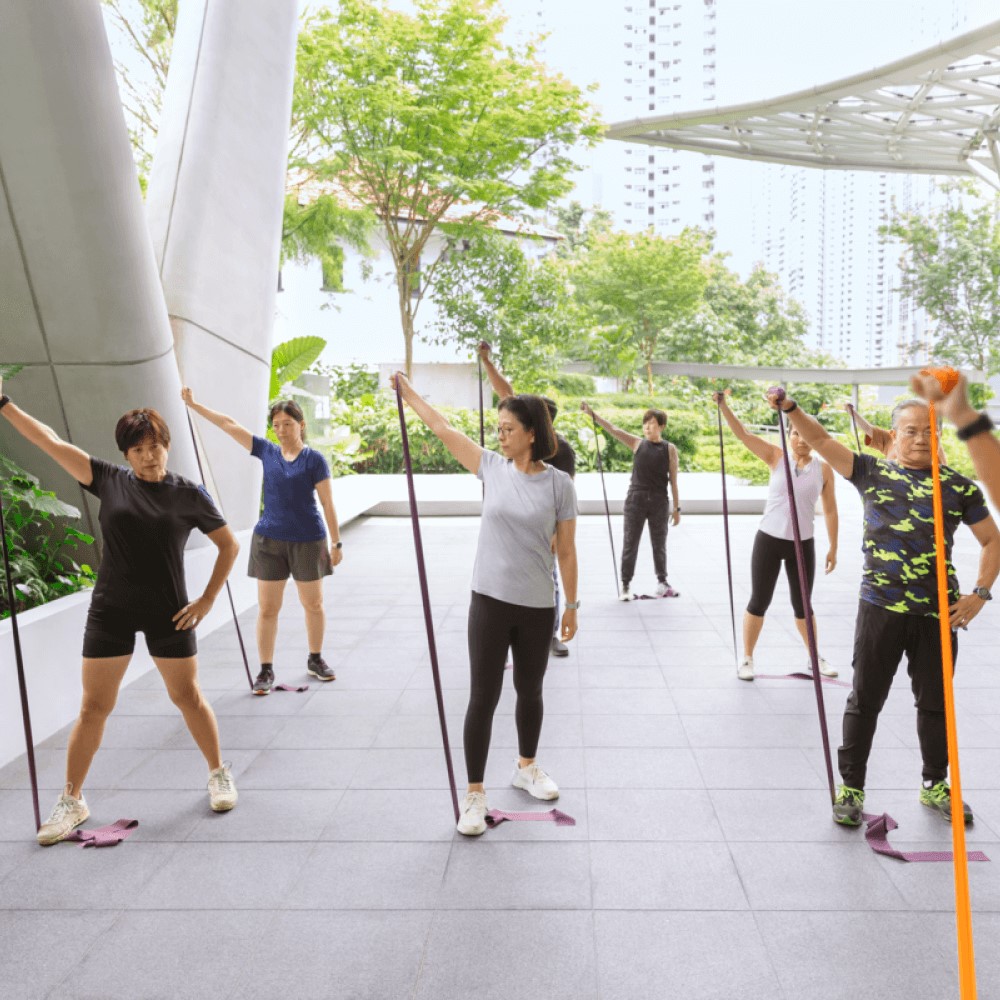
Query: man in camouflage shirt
[(897, 611)]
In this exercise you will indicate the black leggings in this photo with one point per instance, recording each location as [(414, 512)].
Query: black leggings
[(765, 565), (494, 627)]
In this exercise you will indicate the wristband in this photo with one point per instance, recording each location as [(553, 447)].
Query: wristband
[(4, 400), (572, 605), (981, 425), (792, 408)]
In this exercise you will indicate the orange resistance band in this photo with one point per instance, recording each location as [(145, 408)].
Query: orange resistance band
[(948, 378)]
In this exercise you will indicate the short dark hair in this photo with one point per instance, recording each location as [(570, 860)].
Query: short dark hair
[(289, 407), (533, 415), (139, 426), (653, 414), (551, 405)]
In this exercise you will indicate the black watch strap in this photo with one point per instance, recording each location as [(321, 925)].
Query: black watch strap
[(4, 400), (981, 425)]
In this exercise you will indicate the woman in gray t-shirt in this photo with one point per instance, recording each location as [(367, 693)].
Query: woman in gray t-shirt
[(526, 505)]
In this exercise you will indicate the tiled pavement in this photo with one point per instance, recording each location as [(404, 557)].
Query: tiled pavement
[(703, 865)]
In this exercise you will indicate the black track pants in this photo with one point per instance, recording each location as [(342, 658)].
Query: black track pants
[(642, 506)]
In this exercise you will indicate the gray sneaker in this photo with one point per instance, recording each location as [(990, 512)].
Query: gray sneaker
[(559, 648), (264, 682), (319, 668), (67, 814), (222, 794)]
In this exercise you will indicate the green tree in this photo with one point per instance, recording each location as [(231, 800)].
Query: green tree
[(951, 266), (487, 288), (146, 27), (639, 290), (434, 123)]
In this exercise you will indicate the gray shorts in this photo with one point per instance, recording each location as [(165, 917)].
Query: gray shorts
[(271, 559)]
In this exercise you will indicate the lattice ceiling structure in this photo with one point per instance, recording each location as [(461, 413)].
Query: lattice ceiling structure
[(934, 112)]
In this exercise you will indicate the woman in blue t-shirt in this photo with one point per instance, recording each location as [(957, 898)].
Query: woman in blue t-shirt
[(290, 538)]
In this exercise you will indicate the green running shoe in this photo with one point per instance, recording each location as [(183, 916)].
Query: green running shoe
[(847, 806), (938, 796)]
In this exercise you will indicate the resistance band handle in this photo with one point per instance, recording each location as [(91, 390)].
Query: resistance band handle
[(418, 547), (947, 377)]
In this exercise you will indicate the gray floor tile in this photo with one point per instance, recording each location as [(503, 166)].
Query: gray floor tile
[(380, 876), (642, 768), (327, 732), (395, 815), (780, 815), (29, 964), (109, 768), (893, 956), (665, 876), (750, 769), (652, 814), (158, 955), (266, 814), (562, 967), (626, 701), (131, 732), (341, 702), (295, 769), (784, 876), (179, 769), (572, 802), (362, 956), (224, 876), (164, 816), (697, 956), (517, 876), (634, 731)]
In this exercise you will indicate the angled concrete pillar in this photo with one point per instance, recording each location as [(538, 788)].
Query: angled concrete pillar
[(80, 298), (214, 206)]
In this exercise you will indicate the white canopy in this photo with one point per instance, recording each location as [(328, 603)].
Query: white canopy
[(934, 112)]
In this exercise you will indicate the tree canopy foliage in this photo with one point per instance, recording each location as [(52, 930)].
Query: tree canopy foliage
[(434, 123)]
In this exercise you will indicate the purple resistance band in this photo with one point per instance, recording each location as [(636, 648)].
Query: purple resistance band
[(879, 826), (607, 509), (103, 836), (854, 424), (229, 592), (495, 816), (29, 742), (725, 528)]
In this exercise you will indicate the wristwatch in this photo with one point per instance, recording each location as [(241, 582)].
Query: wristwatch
[(338, 545), (572, 605), (983, 593), (4, 400)]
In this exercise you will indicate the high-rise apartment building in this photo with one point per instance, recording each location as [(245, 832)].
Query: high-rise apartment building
[(670, 65)]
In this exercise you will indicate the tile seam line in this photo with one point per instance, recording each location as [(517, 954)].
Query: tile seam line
[(37, 309)]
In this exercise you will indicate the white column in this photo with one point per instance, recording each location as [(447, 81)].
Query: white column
[(214, 206)]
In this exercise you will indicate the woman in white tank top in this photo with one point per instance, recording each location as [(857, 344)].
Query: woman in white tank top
[(774, 546)]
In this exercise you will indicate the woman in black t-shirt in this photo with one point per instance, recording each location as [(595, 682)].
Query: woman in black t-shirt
[(146, 516), (654, 468)]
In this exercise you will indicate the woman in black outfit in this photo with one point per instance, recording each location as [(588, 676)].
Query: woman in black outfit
[(654, 468), (146, 517)]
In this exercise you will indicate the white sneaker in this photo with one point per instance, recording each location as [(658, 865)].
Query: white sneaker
[(824, 668), (626, 593), (535, 782), (222, 794), (472, 822), (745, 670), (662, 589), (67, 814)]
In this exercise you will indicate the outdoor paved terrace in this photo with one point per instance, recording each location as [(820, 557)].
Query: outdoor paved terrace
[(704, 863)]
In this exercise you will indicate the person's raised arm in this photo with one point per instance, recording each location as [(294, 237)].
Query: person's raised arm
[(74, 460), (629, 440), (829, 498), (466, 451), (225, 423), (499, 384), (813, 433), (984, 448), (228, 548), (768, 453)]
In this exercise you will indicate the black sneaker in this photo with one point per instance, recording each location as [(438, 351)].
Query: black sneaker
[(938, 796), (319, 668), (847, 806), (559, 648), (264, 682)]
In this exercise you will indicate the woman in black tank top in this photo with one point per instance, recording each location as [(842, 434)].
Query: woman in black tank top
[(654, 470)]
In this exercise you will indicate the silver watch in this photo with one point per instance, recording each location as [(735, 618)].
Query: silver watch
[(572, 605), (983, 593)]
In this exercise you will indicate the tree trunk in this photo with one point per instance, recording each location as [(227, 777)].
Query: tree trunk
[(649, 374), (406, 317)]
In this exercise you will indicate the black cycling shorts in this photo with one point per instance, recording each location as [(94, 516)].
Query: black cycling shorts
[(111, 632)]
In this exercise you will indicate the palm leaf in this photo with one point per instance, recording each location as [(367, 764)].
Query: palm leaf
[(290, 359)]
